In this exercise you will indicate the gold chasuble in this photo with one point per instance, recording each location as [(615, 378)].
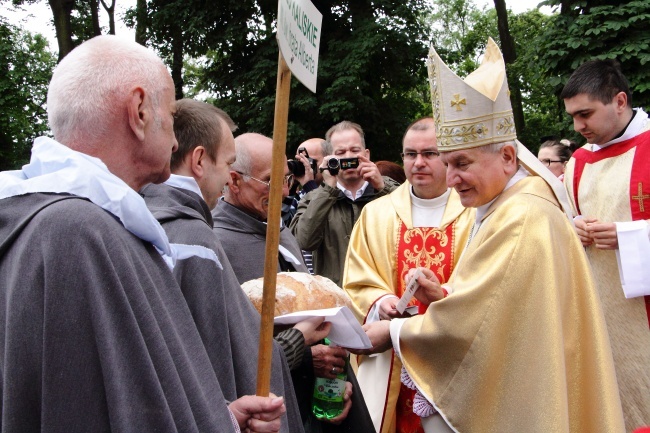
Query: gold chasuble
[(613, 184), (521, 344), (384, 245)]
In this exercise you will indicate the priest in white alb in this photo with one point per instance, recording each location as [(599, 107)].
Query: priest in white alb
[(420, 224), (519, 344), (608, 181)]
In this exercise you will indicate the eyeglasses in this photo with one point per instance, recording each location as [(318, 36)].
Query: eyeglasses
[(286, 180), (547, 162), (426, 154)]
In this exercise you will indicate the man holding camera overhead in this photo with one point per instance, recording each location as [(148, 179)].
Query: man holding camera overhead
[(326, 215)]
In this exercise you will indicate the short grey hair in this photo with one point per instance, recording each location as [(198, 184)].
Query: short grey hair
[(90, 84), (326, 147), (344, 126), (496, 147), (243, 161)]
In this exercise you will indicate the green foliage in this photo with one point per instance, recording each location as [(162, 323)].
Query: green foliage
[(26, 66), (371, 59), (598, 29)]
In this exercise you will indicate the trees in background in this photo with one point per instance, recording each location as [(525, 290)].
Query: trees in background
[(605, 29), (371, 65), (25, 70), (371, 60)]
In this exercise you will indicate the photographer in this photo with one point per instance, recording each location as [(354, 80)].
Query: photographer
[(307, 177), (326, 215)]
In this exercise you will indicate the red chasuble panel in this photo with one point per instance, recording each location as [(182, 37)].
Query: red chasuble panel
[(430, 248), (426, 247)]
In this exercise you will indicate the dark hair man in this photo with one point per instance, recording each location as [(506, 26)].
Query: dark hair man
[(608, 181)]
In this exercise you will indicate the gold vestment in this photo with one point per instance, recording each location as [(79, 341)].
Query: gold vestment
[(604, 193), (371, 273), (520, 345)]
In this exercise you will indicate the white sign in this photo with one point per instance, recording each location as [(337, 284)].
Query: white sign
[(299, 28)]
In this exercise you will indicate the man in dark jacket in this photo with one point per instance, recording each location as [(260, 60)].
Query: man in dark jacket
[(326, 215)]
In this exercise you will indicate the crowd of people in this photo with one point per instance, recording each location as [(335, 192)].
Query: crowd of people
[(126, 239)]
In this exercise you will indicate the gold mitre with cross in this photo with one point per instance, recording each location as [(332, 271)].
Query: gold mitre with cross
[(475, 111)]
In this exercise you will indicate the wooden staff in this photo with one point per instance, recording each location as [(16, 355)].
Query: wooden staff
[(273, 227)]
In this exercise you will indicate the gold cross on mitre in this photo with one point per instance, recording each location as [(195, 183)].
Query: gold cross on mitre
[(457, 101), (641, 197)]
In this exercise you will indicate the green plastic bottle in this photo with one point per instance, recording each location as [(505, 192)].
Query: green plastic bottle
[(327, 400)]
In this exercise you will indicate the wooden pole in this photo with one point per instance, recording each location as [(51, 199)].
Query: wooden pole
[(273, 227)]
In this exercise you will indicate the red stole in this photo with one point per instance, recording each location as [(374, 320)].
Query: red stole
[(639, 191), (639, 178), (431, 248)]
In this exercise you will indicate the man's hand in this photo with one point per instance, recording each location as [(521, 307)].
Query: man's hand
[(430, 289), (328, 179), (603, 235), (388, 309), (258, 414), (347, 404), (313, 329), (369, 171), (582, 231), (328, 360), (379, 335), (309, 173)]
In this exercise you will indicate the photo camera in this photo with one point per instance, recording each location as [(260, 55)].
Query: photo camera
[(336, 164), (298, 168)]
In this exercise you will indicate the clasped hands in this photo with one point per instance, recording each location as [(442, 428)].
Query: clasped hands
[(591, 231)]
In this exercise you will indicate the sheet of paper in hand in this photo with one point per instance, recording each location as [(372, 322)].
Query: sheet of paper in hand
[(345, 332), (409, 291)]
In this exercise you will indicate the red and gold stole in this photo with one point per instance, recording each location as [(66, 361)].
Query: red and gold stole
[(639, 191), (427, 247), (432, 248), (639, 178)]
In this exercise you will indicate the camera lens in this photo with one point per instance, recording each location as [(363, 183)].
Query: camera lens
[(333, 166), (296, 167)]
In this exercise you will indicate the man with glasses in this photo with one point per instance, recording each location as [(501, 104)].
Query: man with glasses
[(326, 215), (240, 223), (420, 224), (520, 342), (182, 204), (240, 219)]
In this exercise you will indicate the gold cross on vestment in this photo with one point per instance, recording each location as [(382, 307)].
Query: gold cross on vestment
[(641, 197), (457, 101)]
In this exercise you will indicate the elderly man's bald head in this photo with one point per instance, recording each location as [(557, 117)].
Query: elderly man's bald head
[(251, 175), (114, 99), (91, 82)]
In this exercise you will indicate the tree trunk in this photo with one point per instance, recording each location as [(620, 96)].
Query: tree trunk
[(61, 10), (177, 59), (141, 22), (94, 14), (111, 16), (509, 56)]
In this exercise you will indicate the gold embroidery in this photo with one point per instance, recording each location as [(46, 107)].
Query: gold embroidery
[(457, 102), (420, 256), (641, 197)]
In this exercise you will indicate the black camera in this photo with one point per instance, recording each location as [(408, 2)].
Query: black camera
[(298, 168), (335, 164)]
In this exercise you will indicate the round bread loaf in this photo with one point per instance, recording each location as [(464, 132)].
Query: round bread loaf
[(298, 291)]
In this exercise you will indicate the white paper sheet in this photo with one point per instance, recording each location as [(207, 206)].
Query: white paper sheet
[(633, 257), (345, 332)]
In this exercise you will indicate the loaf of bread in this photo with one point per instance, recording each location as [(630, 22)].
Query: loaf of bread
[(297, 291)]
